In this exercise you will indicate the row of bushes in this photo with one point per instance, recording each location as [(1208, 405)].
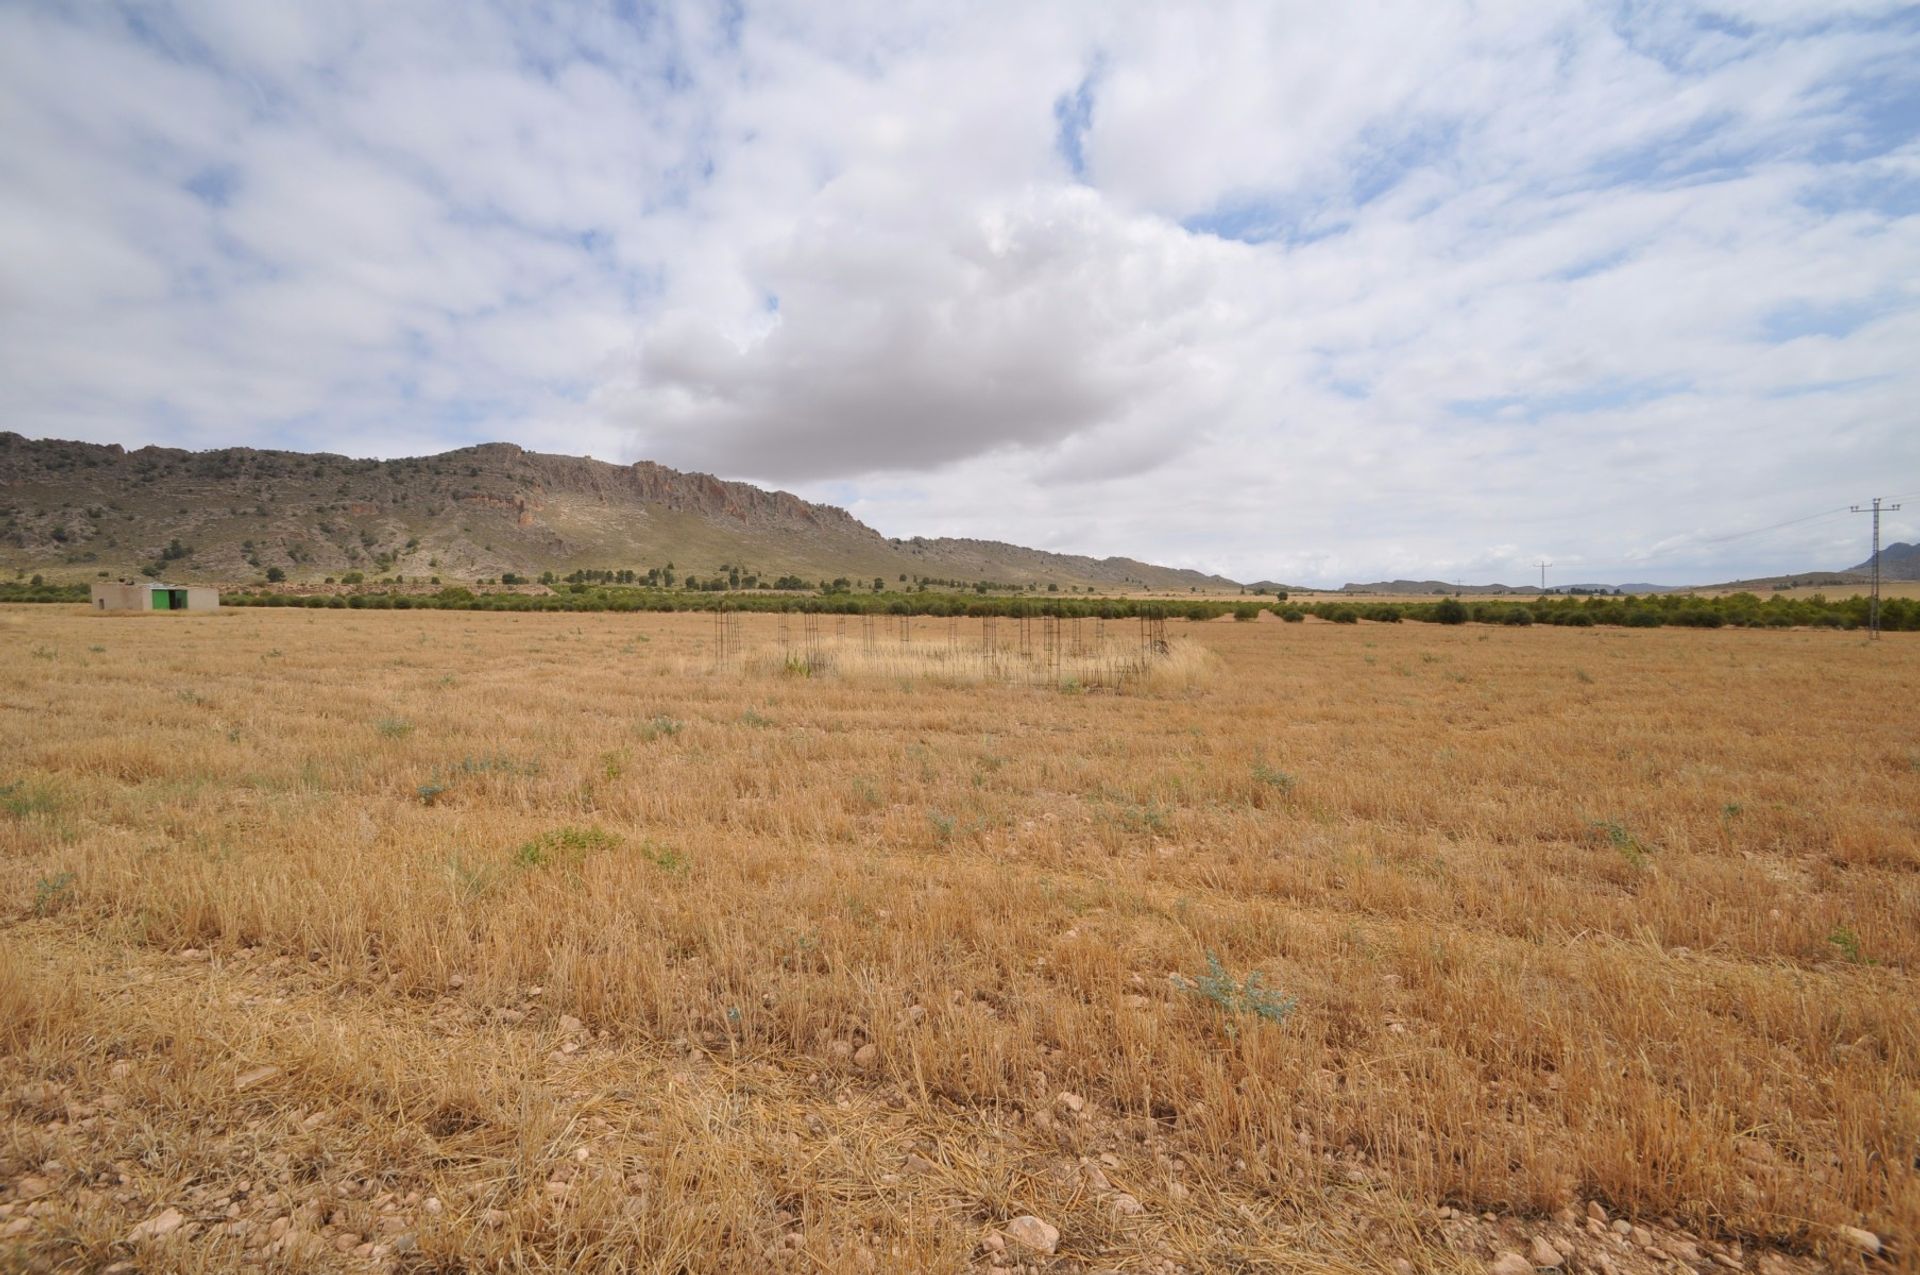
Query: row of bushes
[(580, 598), (1740, 610)]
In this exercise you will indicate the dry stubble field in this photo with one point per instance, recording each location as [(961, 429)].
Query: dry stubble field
[(444, 941)]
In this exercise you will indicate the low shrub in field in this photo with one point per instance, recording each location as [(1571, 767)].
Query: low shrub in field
[(1239, 999), (565, 847)]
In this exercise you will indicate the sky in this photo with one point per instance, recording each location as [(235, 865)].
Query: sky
[(1304, 292)]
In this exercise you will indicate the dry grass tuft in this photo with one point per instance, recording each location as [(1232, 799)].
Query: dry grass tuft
[(433, 941)]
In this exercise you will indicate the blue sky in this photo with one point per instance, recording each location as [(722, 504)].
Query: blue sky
[(1304, 292)]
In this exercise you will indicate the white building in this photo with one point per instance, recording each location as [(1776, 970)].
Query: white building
[(126, 596)]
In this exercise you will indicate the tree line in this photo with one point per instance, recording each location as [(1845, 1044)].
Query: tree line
[(1683, 610)]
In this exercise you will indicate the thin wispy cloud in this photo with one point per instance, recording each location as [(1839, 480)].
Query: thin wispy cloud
[(1304, 292)]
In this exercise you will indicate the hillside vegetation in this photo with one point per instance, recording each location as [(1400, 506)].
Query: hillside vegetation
[(72, 511)]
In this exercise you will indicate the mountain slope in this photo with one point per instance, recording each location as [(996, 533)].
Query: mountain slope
[(72, 510), (1897, 562)]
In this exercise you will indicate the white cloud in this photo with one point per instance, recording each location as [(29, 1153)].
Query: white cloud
[(1519, 280)]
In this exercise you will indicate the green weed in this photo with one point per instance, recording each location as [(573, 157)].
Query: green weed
[(1848, 944), (665, 858), (1278, 780), (49, 893), (566, 847), (23, 802), (660, 726), (1238, 999), (1637, 854)]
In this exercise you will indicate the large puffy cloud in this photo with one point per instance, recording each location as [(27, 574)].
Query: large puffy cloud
[(1297, 291), (1032, 321)]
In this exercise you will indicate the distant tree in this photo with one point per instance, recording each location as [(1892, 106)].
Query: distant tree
[(1450, 611), (275, 575)]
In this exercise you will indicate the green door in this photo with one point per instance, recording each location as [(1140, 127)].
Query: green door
[(162, 599)]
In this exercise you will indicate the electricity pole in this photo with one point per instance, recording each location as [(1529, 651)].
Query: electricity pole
[(1543, 565), (1873, 603)]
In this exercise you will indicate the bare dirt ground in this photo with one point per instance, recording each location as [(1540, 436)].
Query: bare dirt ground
[(451, 941)]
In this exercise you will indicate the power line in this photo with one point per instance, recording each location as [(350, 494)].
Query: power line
[(1873, 605), (1791, 522)]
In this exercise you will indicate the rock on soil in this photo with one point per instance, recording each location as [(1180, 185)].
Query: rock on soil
[(1033, 1233), (160, 1224)]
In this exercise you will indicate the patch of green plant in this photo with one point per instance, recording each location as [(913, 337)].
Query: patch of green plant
[(660, 726), (469, 882), (565, 847), (943, 824), (1636, 853), (751, 718), (394, 727), (1238, 999), (22, 801), (1278, 780), (496, 764), (665, 858), (49, 893), (429, 793), (1848, 943)]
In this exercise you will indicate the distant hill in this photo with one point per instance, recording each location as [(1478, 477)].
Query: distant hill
[(72, 510), (1897, 562), (1435, 586), (1417, 587)]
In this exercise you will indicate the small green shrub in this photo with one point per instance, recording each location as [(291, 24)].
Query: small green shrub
[(23, 802), (660, 726), (1848, 944), (1630, 847), (566, 847), (49, 893), (1238, 999), (665, 858), (1279, 780)]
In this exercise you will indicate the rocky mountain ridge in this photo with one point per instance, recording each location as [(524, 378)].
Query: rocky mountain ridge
[(74, 510)]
